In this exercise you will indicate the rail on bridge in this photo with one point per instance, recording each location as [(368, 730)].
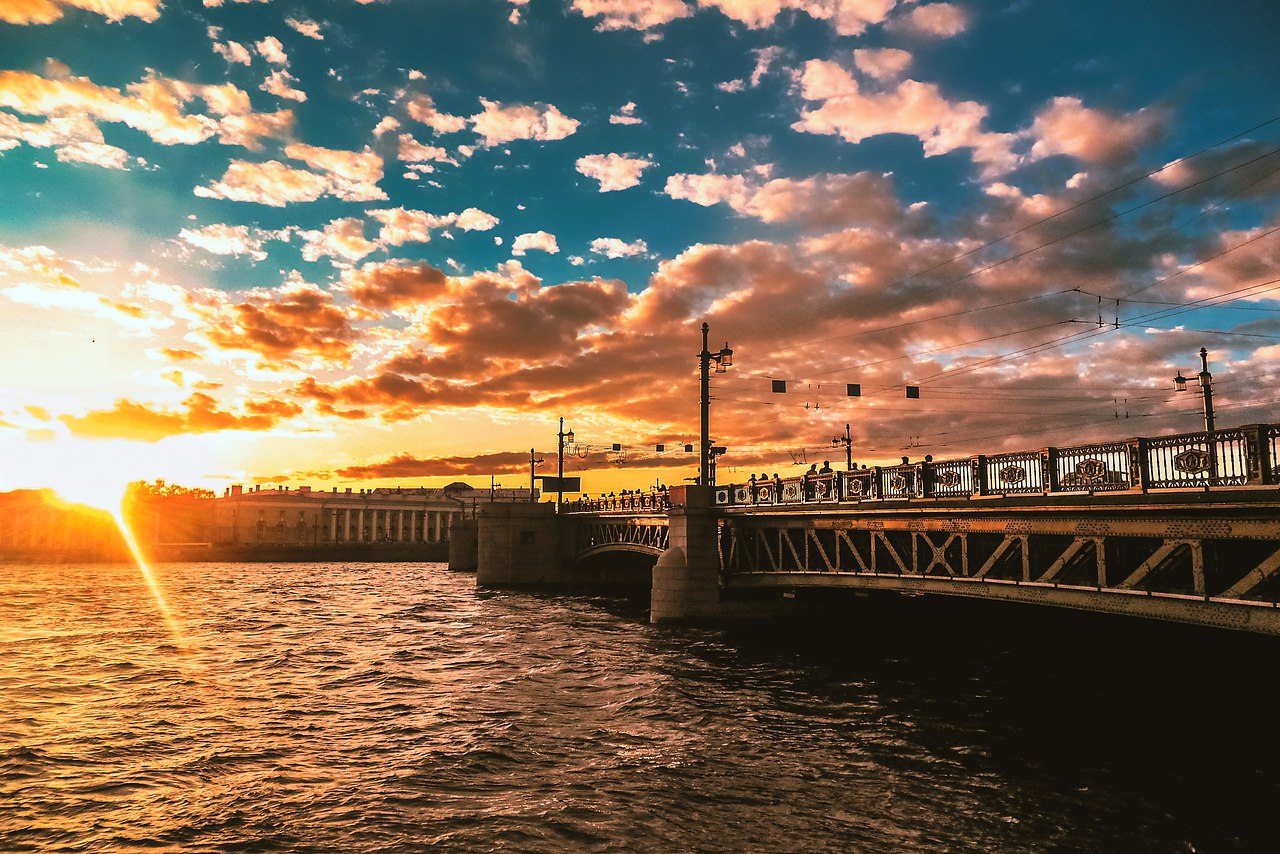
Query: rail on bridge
[(1180, 527)]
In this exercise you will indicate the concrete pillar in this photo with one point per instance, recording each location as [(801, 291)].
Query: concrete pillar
[(360, 525), (464, 546), (435, 527), (333, 526), (517, 544), (686, 578)]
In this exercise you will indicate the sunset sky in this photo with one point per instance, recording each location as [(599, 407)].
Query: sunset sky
[(393, 242)]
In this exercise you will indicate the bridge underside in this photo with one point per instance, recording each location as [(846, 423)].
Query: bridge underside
[(1213, 571)]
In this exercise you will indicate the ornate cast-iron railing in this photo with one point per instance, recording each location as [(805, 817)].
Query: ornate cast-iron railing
[(628, 502), (1241, 456)]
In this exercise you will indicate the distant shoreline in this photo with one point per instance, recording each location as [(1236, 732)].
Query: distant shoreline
[(227, 553)]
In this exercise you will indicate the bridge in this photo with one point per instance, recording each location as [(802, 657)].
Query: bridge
[(1183, 528)]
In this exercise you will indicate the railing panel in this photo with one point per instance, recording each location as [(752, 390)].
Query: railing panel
[(858, 485), (1094, 468), (900, 482), (791, 490), (1015, 473), (1273, 438), (949, 479), (1198, 459)]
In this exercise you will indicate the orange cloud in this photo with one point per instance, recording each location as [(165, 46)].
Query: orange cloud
[(199, 414), (1066, 126), (293, 321), (48, 11)]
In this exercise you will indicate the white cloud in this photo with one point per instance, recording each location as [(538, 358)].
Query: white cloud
[(884, 63), (272, 50), (307, 27), (540, 240), (400, 226), (422, 109), (500, 123), (632, 14), (347, 175), (613, 171), (613, 247), (410, 150), (341, 238), (223, 239), (280, 83), (937, 20), (626, 115), (913, 108)]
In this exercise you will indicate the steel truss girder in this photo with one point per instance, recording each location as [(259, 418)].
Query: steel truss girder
[(1220, 564), (647, 534)]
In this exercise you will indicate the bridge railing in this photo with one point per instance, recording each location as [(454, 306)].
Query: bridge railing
[(1223, 458), (656, 501)]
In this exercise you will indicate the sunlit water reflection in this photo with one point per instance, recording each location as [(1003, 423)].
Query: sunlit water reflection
[(392, 707)]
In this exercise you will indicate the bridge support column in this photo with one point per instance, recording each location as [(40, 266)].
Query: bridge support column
[(463, 546), (686, 578), (517, 545)]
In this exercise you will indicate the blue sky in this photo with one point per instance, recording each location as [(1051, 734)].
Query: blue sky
[(349, 240)]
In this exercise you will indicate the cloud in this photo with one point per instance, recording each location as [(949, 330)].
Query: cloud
[(626, 115), (293, 321), (823, 201), (613, 171), (341, 238), (48, 11), (885, 63), (233, 52), (280, 83), (272, 50), (400, 225), (306, 27), (1066, 126), (394, 285), (501, 123), (848, 17), (347, 175), (540, 240), (936, 20), (410, 150), (223, 239), (632, 14), (199, 414), (155, 106), (912, 108), (422, 109), (613, 247)]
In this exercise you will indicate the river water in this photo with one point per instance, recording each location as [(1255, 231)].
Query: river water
[(393, 707)]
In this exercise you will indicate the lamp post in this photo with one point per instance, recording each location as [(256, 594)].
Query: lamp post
[(847, 441), (723, 360), (534, 462), (560, 439), (1206, 388)]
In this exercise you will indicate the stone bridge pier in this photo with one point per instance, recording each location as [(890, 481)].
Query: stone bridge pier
[(529, 545)]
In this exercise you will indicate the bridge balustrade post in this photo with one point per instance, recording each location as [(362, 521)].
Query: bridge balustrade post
[(686, 578), (1139, 464), (1049, 469), (1257, 438), (978, 468), (875, 482)]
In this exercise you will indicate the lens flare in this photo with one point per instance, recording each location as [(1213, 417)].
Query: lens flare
[(148, 575)]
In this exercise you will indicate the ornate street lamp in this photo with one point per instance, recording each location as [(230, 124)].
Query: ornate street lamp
[(561, 438), (1206, 388), (534, 462), (723, 360), (847, 441)]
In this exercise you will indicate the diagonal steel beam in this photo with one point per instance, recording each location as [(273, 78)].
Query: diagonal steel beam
[(1253, 577), (1157, 558)]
